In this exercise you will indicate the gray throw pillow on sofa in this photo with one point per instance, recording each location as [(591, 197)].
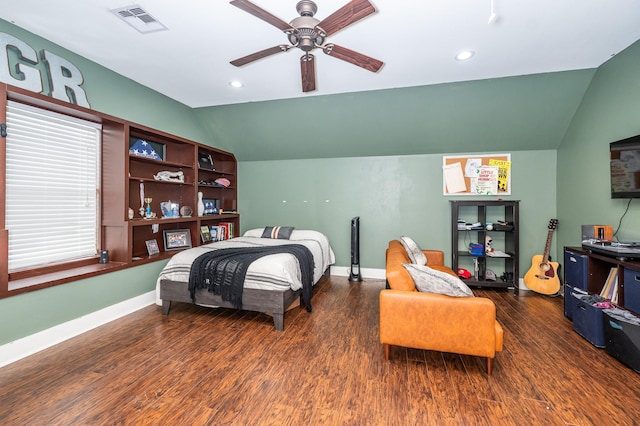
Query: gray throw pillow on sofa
[(413, 251), (429, 280)]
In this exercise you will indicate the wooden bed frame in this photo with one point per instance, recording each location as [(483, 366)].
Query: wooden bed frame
[(273, 302)]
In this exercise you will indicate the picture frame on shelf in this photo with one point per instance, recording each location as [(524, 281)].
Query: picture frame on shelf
[(152, 247), (205, 161), (169, 209), (211, 206), (177, 239), (147, 149)]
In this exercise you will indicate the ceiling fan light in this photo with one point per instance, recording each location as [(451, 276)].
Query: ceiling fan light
[(465, 55), (235, 83)]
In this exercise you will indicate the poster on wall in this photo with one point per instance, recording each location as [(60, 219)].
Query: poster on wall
[(488, 174)]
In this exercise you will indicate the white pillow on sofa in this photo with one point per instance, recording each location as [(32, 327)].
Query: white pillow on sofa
[(429, 280), (413, 251)]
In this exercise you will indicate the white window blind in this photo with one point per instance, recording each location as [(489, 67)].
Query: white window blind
[(52, 187)]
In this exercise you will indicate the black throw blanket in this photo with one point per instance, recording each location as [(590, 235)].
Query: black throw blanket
[(223, 271)]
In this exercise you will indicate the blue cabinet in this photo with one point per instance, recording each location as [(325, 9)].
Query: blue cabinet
[(576, 276), (632, 290), (576, 269)]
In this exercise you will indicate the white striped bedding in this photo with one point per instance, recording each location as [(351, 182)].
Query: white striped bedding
[(277, 271)]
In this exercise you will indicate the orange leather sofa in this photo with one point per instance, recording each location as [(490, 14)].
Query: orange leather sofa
[(409, 318)]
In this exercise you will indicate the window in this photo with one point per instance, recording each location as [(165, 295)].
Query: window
[(52, 208)]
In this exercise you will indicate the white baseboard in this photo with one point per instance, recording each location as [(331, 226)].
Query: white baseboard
[(21, 348), (380, 274), (522, 285), (344, 271)]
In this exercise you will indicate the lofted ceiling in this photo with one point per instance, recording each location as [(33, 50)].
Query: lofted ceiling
[(416, 39)]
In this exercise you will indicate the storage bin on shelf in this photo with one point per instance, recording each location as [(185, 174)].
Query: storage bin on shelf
[(632, 290), (571, 302), (576, 272), (622, 336), (587, 318)]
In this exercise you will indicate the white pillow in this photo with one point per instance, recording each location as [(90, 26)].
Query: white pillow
[(429, 280), (413, 251)]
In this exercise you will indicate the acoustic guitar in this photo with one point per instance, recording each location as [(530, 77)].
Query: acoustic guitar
[(542, 277)]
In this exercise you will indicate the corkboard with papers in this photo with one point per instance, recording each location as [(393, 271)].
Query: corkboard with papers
[(476, 174)]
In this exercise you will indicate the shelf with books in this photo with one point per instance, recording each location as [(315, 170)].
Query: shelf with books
[(225, 226)]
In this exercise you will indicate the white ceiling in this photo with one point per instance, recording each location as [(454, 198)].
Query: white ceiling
[(416, 39)]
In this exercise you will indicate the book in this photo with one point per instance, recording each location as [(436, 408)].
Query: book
[(205, 234), (214, 233), (228, 229), (222, 231), (607, 288)]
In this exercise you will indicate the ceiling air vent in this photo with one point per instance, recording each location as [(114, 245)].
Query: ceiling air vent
[(138, 18)]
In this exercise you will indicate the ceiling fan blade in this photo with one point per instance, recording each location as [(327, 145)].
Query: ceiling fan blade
[(353, 57), (346, 15), (258, 12), (308, 70), (259, 55)]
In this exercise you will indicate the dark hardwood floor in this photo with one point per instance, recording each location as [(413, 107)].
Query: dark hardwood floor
[(203, 366)]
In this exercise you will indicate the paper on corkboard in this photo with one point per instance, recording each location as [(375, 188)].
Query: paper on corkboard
[(487, 174)]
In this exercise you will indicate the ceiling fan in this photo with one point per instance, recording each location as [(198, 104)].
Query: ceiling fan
[(307, 33)]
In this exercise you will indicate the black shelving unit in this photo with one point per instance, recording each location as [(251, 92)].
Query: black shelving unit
[(505, 240)]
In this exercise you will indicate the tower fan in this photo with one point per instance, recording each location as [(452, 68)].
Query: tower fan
[(354, 275)]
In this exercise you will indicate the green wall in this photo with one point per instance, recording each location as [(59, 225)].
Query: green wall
[(29, 313), (112, 94), (610, 111), (522, 113), (394, 196)]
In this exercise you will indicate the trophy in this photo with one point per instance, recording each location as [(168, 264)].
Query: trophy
[(148, 213)]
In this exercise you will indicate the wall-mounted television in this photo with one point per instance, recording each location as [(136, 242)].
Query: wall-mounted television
[(625, 168)]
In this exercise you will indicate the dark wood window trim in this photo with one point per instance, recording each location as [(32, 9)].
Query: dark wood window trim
[(50, 279), (39, 278)]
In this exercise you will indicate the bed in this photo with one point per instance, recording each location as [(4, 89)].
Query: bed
[(272, 283)]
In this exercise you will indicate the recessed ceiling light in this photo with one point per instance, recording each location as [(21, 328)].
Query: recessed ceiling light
[(235, 83), (464, 55)]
